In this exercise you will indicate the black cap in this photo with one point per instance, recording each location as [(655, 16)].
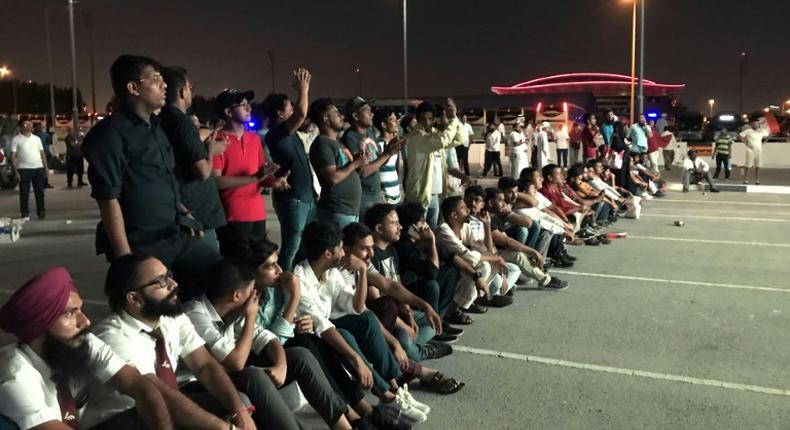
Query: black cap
[(229, 98), (352, 106)]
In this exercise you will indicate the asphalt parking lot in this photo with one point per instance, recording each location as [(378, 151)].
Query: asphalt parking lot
[(671, 327)]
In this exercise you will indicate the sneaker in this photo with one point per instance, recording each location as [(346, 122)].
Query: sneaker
[(714, 190), (455, 331), (387, 418), (364, 423), (495, 301), (592, 242), (404, 392), (561, 262), (434, 350), (42, 215), (405, 411), (568, 256), (445, 337), (556, 284)]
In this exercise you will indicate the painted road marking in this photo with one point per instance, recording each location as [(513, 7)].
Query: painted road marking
[(726, 218), (673, 281), (718, 242), (624, 371), (725, 202)]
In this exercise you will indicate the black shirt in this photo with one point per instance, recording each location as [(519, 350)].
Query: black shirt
[(414, 263), (343, 197), (199, 196), (386, 262), (132, 161), (288, 152), (371, 186)]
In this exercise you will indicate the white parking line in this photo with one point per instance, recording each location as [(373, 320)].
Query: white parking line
[(625, 372), (84, 300), (718, 242), (717, 202), (726, 218), (674, 281)]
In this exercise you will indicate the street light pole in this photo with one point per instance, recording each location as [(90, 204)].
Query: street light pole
[(52, 112), (711, 102), (740, 82), (271, 59), (641, 96), (75, 110), (405, 61), (633, 58), (359, 80)]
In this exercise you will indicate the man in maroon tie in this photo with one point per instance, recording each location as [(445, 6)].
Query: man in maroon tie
[(149, 331), (45, 376)]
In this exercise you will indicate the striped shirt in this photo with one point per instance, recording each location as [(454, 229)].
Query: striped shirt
[(723, 143), (388, 173)]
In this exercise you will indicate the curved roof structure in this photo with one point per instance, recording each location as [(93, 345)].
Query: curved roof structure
[(600, 84)]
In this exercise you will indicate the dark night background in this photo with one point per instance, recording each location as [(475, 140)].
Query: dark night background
[(456, 47)]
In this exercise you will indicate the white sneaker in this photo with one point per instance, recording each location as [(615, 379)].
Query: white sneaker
[(404, 392), (405, 411)]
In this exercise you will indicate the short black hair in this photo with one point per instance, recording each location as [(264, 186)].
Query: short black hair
[(121, 276), (176, 79), (410, 214), (272, 104), (405, 122), (355, 232), (381, 116), (319, 108), (474, 191), (439, 110), (449, 205), (524, 183), (506, 182), (575, 170), (526, 173), (491, 193), (376, 214), (548, 169), (228, 276), (320, 236), (252, 251), (128, 68), (425, 107)]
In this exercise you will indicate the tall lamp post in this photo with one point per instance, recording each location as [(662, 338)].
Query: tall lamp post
[(711, 102), (52, 112), (405, 61), (5, 71), (75, 113), (359, 81), (633, 58), (271, 59), (641, 96)]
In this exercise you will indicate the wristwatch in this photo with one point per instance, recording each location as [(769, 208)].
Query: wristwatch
[(477, 276)]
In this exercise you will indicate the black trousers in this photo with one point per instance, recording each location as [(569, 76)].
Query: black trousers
[(492, 159), (722, 160), (234, 232), (463, 158), (75, 165), (26, 177)]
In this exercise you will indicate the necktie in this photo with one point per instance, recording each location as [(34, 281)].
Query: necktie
[(68, 407), (164, 369)]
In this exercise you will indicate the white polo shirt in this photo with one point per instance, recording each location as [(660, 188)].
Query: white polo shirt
[(324, 299), (697, 165), (753, 138), (514, 138), (467, 129), (221, 337), (130, 339), (28, 396), (28, 151)]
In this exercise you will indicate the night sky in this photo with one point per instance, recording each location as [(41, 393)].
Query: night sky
[(456, 47)]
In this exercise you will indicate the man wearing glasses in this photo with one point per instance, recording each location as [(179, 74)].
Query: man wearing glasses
[(150, 332), (131, 170), (241, 172)]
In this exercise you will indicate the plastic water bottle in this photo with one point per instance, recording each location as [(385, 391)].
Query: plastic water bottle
[(616, 235)]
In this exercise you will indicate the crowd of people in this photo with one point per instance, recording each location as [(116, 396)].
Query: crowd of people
[(387, 249)]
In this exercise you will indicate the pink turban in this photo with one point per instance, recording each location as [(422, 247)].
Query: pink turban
[(34, 307)]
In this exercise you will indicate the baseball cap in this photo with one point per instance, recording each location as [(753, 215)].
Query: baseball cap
[(230, 98), (352, 106)]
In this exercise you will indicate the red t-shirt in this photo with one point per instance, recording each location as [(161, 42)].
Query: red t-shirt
[(588, 143), (554, 194), (243, 157)]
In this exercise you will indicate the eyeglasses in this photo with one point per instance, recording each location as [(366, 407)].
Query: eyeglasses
[(243, 105), (155, 79), (163, 281)]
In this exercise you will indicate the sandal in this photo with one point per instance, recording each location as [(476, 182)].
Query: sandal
[(442, 385), (474, 308), (458, 318)]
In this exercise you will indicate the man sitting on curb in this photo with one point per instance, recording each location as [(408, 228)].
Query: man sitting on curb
[(695, 170)]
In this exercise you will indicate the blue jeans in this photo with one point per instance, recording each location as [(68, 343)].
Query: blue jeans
[(513, 272), (432, 211), (426, 289), (363, 333), (7, 424), (294, 215), (341, 220), (415, 348), (448, 279)]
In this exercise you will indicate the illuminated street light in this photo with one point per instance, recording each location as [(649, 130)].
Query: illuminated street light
[(4, 71), (711, 102)]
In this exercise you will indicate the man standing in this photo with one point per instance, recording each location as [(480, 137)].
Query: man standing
[(722, 150), (491, 158), (662, 126), (562, 138), (695, 170), (639, 134), (44, 378), (517, 143), (426, 178), (75, 162), (361, 138), (193, 157), (46, 142), (463, 150), (241, 171), (753, 138), (575, 137), (295, 206), (542, 144), (30, 165), (387, 124), (336, 166), (132, 177)]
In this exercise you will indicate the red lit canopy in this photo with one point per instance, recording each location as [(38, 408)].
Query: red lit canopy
[(599, 84)]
